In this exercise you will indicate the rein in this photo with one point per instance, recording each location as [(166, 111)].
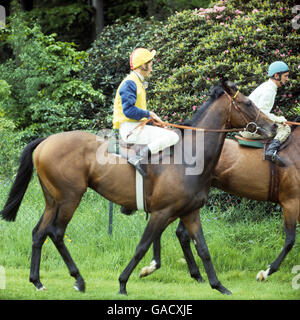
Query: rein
[(232, 102), (166, 124), (291, 123)]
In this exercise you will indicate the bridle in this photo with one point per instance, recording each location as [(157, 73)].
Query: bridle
[(249, 123)]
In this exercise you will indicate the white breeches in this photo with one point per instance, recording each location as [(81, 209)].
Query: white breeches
[(156, 138)]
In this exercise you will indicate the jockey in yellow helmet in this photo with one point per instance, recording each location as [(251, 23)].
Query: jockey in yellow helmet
[(130, 109)]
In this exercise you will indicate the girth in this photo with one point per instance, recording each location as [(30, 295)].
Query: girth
[(273, 182), (273, 168)]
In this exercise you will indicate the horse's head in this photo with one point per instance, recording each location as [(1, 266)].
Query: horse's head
[(244, 113)]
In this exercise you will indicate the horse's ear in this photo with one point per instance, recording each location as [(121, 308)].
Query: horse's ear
[(225, 85)]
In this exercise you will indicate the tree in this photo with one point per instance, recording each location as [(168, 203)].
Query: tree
[(99, 15)]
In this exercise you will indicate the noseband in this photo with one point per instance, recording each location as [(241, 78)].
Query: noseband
[(251, 126)]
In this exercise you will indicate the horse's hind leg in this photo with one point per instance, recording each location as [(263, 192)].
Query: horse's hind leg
[(53, 224), (56, 233), (39, 235), (291, 214)]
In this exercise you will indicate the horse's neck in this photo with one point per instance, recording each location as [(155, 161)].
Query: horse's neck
[(215, 118)]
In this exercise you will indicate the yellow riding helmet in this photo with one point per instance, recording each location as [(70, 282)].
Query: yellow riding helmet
[(140, 56)]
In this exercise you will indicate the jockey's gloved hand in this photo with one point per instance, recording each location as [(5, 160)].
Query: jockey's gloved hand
[(280, 119)]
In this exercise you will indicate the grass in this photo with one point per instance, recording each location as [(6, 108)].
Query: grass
[(102, 286), (238, 250)]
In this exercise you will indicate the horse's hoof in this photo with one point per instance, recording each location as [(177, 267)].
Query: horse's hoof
[(199, 279), (149, 269), (124, 292), (79, 286), (223, 290), (262, 275), (41, 288), (38, 285)]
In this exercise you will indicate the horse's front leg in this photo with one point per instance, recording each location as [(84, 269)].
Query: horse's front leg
[(185, 242), (156, 225), (193, 225)]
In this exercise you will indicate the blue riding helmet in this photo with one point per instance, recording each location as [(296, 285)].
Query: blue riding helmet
[(277, 67)]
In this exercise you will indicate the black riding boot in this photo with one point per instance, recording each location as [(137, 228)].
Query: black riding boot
[(271, 153), (137, 159)]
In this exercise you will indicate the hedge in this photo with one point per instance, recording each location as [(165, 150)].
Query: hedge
[(45, 95), (233, 39)]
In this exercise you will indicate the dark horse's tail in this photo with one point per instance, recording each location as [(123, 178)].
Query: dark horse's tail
[(21, 182)]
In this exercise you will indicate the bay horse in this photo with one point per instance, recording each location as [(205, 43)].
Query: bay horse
[(242, 171), (68, 163)]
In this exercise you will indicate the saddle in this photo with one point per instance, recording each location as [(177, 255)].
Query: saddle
[(127, 150)]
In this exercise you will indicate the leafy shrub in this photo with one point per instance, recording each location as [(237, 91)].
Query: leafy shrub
[(71, 22), (233, 39), (108, 60), (9, 156), (230, 39), (46, 95)]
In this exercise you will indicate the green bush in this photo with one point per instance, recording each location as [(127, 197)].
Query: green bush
[(71, 22), (231, 39), (9, 155), (108, 60), (46, 94)]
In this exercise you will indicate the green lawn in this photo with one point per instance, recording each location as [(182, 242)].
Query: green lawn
[(103, 287), (238, 250)]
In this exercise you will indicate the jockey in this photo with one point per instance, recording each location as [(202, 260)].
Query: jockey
[(263, 97), (130, 110)]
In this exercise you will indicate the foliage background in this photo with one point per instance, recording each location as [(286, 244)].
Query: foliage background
[(196, 48), (49, 85)]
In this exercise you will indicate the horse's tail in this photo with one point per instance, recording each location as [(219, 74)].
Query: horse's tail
[(21, 182)]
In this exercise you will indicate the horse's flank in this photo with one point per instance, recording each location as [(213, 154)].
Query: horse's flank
[(243, 171)]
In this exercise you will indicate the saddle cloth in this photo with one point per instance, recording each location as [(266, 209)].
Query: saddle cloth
[(252, 143)]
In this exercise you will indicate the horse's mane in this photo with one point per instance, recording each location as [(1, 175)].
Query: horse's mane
[(215, 93)]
